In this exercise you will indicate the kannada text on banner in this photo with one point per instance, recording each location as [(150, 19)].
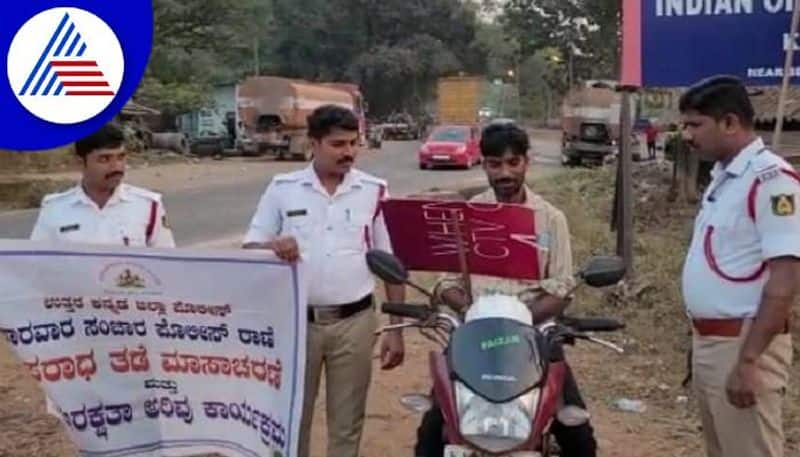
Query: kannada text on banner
[(163, 352)]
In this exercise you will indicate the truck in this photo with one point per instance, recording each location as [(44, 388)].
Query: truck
[(590, 124), (371, 135), (359, 106), (271, 113), (212, 129), (400, 127), (459, 99)]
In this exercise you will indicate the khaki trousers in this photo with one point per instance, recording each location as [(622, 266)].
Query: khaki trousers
[(344, 349), (733, 432)]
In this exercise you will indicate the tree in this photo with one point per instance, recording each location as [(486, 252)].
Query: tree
[(586, 32), (197, 43), (395, 49)]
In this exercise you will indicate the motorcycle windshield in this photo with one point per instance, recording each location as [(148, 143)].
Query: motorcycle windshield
[(497, 358)]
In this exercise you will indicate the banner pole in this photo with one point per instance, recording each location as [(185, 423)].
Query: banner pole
[(463, 259)]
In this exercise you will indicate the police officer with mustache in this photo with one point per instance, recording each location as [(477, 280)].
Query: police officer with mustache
[(101, 209), (328, 215)]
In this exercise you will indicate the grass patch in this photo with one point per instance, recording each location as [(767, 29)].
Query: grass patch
[(51, 160), (24, 194), (64, 160), (26, 177)]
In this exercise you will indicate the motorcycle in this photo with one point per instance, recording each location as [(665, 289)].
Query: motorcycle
[(499, 379)]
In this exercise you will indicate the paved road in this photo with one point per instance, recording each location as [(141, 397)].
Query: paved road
[(219, 215)]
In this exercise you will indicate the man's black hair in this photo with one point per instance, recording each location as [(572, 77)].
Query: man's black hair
[(496, 139), (717, 97), (110, 136), (328, 117)]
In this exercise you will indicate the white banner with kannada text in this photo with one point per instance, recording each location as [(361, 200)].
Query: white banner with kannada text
[(146, 352)]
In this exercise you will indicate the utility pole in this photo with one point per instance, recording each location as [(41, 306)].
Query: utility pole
[(548, 101), (519, 93), (571, 77), (787, 76), (256, 63), (625, 187)]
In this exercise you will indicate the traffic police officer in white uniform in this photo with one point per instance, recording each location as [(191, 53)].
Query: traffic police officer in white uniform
[(329, 215), (101, 209), (741, 273)]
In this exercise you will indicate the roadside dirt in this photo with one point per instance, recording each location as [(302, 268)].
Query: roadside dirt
[(155, 171), (25, 190)]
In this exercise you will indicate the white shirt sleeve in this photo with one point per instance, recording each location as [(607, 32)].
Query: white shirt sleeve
[(41, 230), (382, 239), (267, 220), (162, 234), (777, 217)]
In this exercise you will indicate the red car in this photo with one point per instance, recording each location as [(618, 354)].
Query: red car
[(451, 145)]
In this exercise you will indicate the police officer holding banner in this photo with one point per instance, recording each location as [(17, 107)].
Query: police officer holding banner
[(740, 276), (101, 209), (329, 215)]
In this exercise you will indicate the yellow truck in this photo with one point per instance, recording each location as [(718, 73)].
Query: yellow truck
[(459, 99)]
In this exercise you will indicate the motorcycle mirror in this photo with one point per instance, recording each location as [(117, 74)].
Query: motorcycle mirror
[(416, 403), (603, 271), (387, 267)]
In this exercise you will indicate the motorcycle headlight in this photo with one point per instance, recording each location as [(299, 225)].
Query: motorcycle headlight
[(495, 427)]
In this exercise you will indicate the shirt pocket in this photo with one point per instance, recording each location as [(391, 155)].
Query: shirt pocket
[(734, 236), (356, 228), (129, 232), (300, 227)]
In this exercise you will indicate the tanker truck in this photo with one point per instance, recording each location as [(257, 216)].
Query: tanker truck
[(272, 111)]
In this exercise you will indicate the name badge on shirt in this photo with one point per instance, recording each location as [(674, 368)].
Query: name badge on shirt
[(296, 212), (69, 228)]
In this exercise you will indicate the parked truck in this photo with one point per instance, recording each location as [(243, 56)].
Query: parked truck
[(459, 99), (590, 123), (371, 135), (400, 127), (212, 129), (272, 111)]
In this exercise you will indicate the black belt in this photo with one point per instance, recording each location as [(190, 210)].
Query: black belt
[(329, 313)]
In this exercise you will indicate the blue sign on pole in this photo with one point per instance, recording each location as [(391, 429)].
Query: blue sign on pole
[(683, 41)]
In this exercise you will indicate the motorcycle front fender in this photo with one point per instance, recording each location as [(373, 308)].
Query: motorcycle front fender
[(445, 396), (549, 402)]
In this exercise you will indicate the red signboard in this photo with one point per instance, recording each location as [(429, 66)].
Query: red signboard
[(500, 239)]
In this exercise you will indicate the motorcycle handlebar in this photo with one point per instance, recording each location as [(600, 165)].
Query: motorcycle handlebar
[(594, 324), (420, 312)]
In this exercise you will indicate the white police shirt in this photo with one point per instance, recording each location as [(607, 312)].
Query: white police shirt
[(132, 217), (749, 215), (332, 232)]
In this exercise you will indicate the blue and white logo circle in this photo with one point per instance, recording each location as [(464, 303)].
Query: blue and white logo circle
[(65, 65)]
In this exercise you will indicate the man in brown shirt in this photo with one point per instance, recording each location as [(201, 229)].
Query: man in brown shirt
[(555, 259), (504, 148)]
